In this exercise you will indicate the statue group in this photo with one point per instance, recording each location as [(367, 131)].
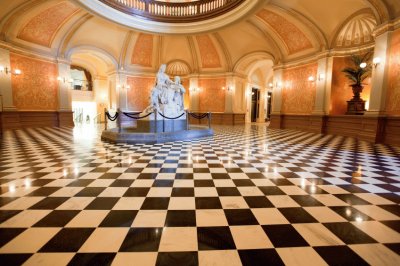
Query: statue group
[(167, 95)]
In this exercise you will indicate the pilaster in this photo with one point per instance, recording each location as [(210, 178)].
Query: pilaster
[(6, 99)]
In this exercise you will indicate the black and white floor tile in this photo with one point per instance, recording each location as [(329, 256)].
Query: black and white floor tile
[(247, 196)]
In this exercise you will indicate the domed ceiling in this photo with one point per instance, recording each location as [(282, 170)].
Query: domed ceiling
[(278, 30)]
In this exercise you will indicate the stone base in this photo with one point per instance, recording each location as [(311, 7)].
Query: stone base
[(132, 136)]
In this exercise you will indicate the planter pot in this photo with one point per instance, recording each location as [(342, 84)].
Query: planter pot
[(356, 106)]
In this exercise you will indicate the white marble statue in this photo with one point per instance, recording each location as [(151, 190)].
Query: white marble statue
[(167, 95)]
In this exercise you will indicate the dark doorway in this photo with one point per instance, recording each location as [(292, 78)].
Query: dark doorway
[(269, 105), (255, 104)]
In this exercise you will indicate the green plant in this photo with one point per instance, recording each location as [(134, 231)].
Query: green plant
[(356, 73)]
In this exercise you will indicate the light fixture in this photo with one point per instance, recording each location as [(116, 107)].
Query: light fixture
[(363, 65), (65, 80), (279, 84), (7, 70), (311, 78), (376, 61), (321, 77), (271, 85), (123, 86)]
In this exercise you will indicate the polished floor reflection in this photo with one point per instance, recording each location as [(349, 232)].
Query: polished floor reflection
[(248, 196)]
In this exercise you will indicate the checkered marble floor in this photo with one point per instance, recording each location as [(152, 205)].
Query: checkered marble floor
[(247, 196)]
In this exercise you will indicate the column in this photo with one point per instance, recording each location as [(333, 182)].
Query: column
[(194, 93), (114, 102), (123, 91), (230, 81), (6, 99), (101, 96), (323, 86), (238, 95), (262, 111), (276, 117), (380, 75), (64, 87)]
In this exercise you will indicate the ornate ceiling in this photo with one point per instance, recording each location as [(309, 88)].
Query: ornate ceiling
[(279, 31)]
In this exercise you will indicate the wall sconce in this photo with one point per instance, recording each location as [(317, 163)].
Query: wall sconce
[(7, 70), (270, 85), (311, 79), (65, 80), (363, 65), (279, 85), (321, 77), (228, 88), (123, 86), (376, 61)]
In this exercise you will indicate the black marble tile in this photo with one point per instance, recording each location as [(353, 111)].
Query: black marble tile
[(160, 203), (220, 176), (43, 191), (67, 240), (136, 192), (141, 240), (122, 183), (243, 182), (339, 255), (203, 183), (177, 258), (394, 209), (284, 235), (350, 213), (180, 218), (353, 189), (349, 233), (297, 215), (90, 192), (102, 203), (163, 183), (184, 176), (395, 225), (306, 200), (49, 203), (133, 170), (182, 192), (228, 191), (260, 257), (208, 203), (14, 259), (119, 218), (57, 218), (258, 202), (7, 234), (395, 247), (147, 176), (215, 238), (240, 217), (281, 182), (272, 190), (7, 214), (92, 259), (168, 170), (352, 199), (80, 183)]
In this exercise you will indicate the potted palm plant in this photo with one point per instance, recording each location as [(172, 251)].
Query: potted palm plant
[(357, 73)]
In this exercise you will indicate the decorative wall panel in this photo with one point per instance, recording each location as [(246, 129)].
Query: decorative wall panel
[(291, 35), (208, 52), (393, 90), (36, 88), (139, 93), (42, 28), (341, 91), (143, 51), (298, 94), (211, 96)]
